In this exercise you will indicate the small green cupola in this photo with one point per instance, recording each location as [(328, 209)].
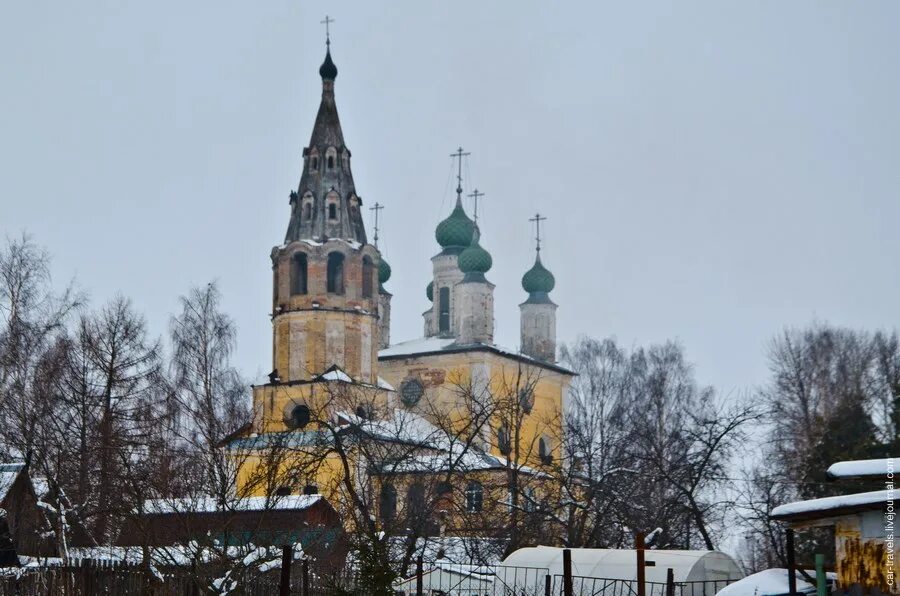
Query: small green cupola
[(454, 234), (538, 282), (429, 291), (384, 272), (474, 261)]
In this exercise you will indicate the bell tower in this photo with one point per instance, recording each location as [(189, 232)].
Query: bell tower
[(326, 276)]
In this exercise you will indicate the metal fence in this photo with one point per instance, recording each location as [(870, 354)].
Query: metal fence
[(88, 578)]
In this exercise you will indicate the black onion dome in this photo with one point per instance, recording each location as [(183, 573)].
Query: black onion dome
[(328, 71)]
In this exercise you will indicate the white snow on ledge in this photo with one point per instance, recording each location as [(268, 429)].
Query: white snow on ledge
[(831, 503), (864, 467)]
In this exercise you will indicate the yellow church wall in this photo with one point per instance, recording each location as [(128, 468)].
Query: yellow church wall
[(449, 376)]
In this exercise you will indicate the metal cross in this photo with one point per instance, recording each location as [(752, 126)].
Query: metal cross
[(459, 155), (476, 195), (328, 20), (376, 208), (537, 219)]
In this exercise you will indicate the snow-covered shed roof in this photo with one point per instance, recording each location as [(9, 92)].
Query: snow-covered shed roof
[(437, 345), (687, 565), (8, 474), (830, 506), (771, 582), (207, 504), (864, 467)]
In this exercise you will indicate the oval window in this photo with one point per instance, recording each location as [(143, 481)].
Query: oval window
[(411, 391), (300, 416)]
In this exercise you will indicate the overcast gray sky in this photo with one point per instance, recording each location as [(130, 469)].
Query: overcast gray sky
[(712, 171)]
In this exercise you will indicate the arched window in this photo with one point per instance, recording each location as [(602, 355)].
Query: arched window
[(544, 451), (388, 502), (526, 399), (307, 211), (335, 273), (330, 162), (299, 274), (368, 277), (332, 210), (444, 309), (474, 497), (314, 163), (503, 440), (415, 500)]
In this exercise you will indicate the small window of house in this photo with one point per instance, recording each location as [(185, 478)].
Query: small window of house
[(474, 497), (388, 502), (332, 211), (415, 500), (330, 162)]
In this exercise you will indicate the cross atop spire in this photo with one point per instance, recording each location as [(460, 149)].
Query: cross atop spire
[(476, 195), (328, 20), (459, 154), (376, 208), (537, 219)]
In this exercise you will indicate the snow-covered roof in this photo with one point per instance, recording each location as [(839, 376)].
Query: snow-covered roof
[(434, 345), (385, 385), (8, 474), (816, 507), (687, 565), (864, 467), (423, 345), (771, 582), (335, 374), (207, 504)]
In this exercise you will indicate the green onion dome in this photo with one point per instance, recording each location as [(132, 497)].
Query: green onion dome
[(328, 71), (538, 278), (456, 230), (429, 291), (384, 271), (475, 259)]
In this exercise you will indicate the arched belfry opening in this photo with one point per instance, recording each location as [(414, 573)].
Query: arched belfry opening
[(299, 274), (335, 274), (368, 277)]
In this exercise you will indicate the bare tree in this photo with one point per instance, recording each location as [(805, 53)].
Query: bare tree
[(647, 447), (32, 324)]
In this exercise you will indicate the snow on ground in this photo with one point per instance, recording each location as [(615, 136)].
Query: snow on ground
[(771, 582)]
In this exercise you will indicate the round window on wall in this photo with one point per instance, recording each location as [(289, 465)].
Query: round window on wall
[(411, 391), (299, 417)]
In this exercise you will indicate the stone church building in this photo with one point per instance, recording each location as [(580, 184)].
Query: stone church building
[(463, 416)]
